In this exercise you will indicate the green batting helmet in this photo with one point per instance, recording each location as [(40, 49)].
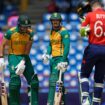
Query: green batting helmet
[(56, 16), (24, 20)]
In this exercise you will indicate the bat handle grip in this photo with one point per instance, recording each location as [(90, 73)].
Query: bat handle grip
[(2, 76), (60, 75)]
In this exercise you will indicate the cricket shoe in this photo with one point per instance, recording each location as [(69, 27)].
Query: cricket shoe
[(86, 102)]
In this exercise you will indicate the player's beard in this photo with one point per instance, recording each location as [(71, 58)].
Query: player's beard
[(56, 27), (56, 24), (23, 30)]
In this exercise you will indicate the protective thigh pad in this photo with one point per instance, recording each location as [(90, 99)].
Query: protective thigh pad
[(34, 82), (15, 83)]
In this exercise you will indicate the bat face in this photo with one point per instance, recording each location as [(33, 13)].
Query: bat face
[(59, 85), (58, 93), (3, 88), (3, 94)]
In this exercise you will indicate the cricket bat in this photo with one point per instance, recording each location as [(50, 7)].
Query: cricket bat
[(3, 90), (58, 90)]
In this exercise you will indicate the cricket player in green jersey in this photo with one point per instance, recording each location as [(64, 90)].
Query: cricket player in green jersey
[(59, 50), (20, 39)]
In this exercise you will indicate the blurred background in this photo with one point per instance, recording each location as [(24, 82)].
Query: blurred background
[(39, 11)]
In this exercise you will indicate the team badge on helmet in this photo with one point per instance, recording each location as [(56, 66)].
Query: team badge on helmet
[(24, 23), (56, 16), (24, 20)]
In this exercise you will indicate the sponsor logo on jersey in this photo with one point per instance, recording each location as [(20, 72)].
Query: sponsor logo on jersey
[(12, 67), (66, 36)]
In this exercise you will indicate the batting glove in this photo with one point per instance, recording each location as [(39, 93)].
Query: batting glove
[(20, 67), (2, 63), (84, 31), (45, 58), (82, 19), (62, 66)]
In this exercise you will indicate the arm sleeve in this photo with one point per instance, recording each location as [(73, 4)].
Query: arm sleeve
[(84, 29), (8, 35), (49, 49), (66, 43), (86, 21)]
